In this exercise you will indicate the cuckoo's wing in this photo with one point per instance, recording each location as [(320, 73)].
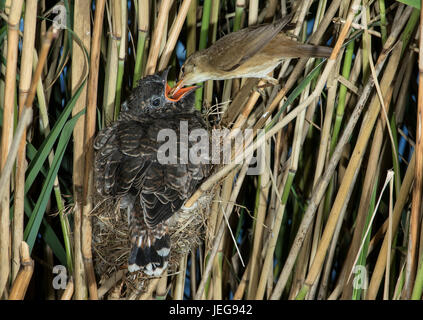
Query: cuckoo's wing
[(126, 161), (232, 50), (123, 154), (165, 187)]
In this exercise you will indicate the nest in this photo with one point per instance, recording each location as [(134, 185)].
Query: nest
[(111, 243)]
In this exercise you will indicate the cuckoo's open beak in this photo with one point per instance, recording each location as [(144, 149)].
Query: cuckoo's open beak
[(177, 87), (177, 93)]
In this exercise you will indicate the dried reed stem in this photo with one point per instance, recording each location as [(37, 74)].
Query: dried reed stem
[(68, 292), (415, 222), (178, 291), (143, 26), (192, 28), (388, 255), (174, 34), (86, 236), (157, 36), (253, 12), (111, 76), (20, 285), (82, 28), (256, 263), (161, 290), (6, 137), (239, 293), (122, 44), (110, 283), (214, 19), (24, 84), (152, 285), (110, 81)]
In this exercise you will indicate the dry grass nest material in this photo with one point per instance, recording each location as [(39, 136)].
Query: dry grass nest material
[(111, 244)]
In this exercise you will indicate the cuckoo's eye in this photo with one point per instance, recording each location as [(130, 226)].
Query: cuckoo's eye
[(155, 102)]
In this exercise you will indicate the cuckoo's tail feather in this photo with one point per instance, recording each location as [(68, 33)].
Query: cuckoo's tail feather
[(149, 253)]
